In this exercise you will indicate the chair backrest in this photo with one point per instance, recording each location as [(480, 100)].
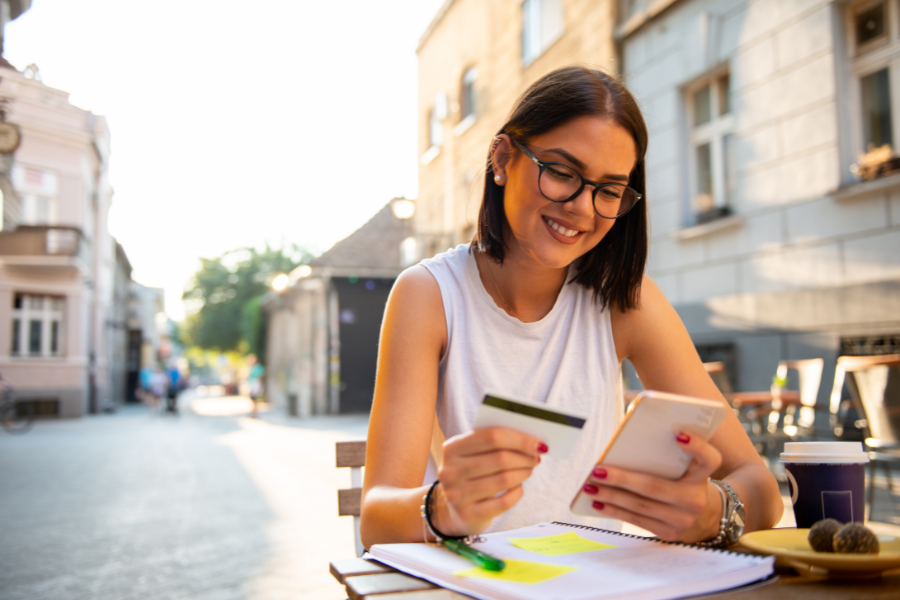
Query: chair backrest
[(875, 387), (810, 375), (719, 375), (353, 455)]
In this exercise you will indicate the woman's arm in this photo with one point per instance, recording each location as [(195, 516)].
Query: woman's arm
[(656, 342), (481, 471)]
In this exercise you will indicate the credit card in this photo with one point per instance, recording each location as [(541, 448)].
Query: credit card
[(557, 428)]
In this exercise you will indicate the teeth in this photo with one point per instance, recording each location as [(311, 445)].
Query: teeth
[(560, 229)]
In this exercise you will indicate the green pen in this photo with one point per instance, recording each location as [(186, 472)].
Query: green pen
[(485, 561)]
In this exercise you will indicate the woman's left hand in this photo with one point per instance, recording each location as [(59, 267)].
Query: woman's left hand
[(686, 510)]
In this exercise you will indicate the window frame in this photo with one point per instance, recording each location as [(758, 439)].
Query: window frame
[(867, 59), (712, 132), (532, 14), (434, 123), (468, 99), (51, 309)]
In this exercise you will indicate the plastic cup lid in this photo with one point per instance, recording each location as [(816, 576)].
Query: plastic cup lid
[(824, 452)]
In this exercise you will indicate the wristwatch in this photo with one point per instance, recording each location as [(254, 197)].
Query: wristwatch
[(734, 516)]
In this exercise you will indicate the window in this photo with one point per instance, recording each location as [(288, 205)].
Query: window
[(711, 159), (37, 326), (869, 23), (876, 110), (874, 32), (467, 93), (542, 24), (467, 112), (435, 128), (37, 189)]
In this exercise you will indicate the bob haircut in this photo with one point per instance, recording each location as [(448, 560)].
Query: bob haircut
[(614, 268)]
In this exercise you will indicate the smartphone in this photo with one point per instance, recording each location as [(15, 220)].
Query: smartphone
[(645, 440)]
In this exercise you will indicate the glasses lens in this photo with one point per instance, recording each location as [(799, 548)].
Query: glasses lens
[(613, 200), (559, 182)]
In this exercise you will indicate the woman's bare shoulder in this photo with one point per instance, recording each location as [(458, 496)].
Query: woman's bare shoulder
[(415, 304)]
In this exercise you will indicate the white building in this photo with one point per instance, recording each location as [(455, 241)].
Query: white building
[(57, 259), (764, 238)]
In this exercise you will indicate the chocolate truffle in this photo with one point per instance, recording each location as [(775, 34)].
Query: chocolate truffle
[(822, 533), (857, 539)]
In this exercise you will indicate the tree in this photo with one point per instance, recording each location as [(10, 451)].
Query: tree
[(227, 292)]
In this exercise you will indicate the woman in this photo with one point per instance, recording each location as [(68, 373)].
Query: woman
[(544, 304)]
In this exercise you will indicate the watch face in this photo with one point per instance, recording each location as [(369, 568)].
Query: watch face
[(736, 527)]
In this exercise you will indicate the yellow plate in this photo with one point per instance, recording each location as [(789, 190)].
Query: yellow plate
[(792, 545)]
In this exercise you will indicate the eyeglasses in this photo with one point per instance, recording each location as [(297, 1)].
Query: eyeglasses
[(561, 183)]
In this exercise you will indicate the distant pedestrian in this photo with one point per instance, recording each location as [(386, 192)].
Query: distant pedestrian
[(254, 380), (174, 384), (158, 385), (145, 393)]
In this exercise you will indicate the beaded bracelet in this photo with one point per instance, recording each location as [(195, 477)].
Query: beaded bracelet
[(723, 522), (426, 510)]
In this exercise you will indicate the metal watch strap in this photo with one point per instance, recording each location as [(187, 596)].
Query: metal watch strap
[(734, 513)]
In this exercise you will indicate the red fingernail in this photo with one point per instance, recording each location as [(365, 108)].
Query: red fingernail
[(542, 448), (599, 473), (683, 438), (591, 489), (598, 505)]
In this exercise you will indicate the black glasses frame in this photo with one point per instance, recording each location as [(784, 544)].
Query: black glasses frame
[(584, 182)]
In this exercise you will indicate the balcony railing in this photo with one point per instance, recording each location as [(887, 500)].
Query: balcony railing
[(43, 240)]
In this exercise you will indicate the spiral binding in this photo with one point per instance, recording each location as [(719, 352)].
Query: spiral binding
[(657, 540)]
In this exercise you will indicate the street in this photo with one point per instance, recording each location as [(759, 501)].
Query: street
[(211, 505)]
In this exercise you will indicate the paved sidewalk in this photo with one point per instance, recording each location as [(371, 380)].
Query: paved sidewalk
[(140, 505)]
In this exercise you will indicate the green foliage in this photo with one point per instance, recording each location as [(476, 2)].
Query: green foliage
[(228, 291)]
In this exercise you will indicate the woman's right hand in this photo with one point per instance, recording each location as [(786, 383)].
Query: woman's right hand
[(481, 477)]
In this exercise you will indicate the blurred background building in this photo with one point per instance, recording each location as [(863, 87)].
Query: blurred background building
[(775, 228), (323, 325), (475, 58), (65, 283), (774, 191)]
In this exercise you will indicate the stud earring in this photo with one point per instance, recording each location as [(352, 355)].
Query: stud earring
[(497, 178)]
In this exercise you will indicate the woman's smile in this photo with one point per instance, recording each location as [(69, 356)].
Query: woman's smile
[(562, 230)]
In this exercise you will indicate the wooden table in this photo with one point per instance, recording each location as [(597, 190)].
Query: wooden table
[(741, 399), (370, 580)]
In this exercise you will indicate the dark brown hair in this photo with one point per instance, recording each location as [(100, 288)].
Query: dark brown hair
[(614, 268)]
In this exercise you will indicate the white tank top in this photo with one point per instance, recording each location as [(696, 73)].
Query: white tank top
[(567, 359)]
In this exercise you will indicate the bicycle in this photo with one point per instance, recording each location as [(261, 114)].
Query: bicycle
[(15, 417)]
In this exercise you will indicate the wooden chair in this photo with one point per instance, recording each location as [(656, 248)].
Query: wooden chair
[(874, 385), (800, 419), (353, 455)]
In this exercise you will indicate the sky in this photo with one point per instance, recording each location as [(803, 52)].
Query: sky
[(237, 124)]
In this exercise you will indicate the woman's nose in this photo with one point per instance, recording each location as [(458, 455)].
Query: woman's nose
[(582, 204)]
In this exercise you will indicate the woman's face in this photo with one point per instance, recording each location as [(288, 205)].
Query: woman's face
[(600, 150)]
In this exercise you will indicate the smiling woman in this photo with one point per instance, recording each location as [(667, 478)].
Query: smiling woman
[(545, 303)]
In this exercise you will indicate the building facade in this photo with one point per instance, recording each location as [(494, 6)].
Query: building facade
[(475, 59), (323, 328), (773, 189), (775, 228), (57, 259)]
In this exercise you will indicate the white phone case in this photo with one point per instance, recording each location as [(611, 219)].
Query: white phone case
[(645, 440)]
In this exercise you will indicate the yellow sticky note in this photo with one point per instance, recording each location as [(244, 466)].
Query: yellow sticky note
[(520, 571), (556, 545)]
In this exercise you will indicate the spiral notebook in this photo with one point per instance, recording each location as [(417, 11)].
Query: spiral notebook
[(559, 561)]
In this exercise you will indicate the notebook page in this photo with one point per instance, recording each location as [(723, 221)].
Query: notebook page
[(631, 567)]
